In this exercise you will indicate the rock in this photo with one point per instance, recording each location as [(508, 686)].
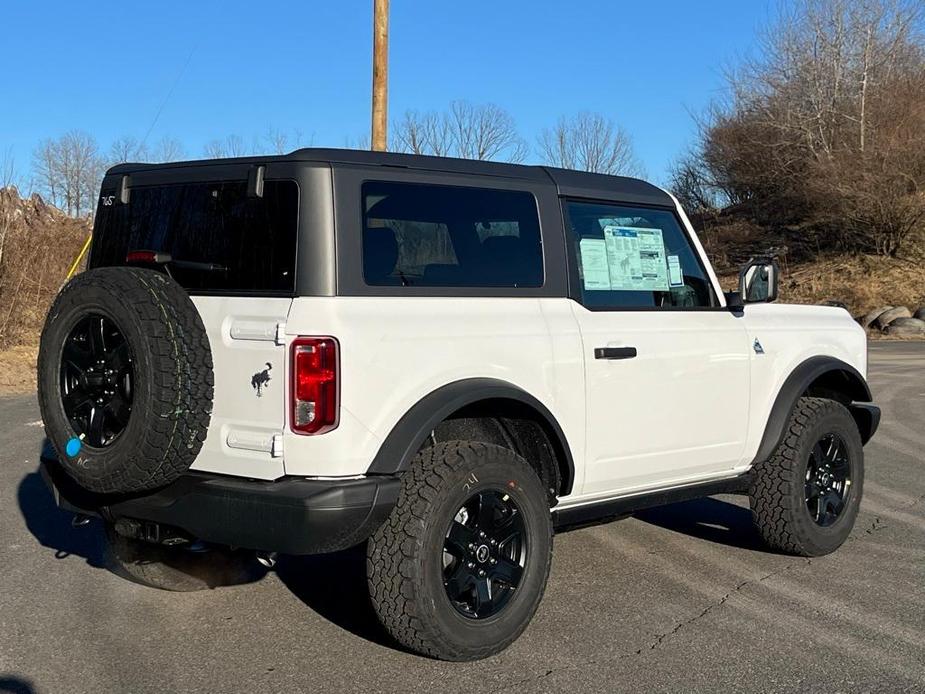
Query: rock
[(906, 327), (920, 314), (887, 317), (873, 315)]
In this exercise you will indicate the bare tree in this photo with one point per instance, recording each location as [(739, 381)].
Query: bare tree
[(361, 142), (469, 131), (690, 182), (410, 134), (822, 131), (589, 142), (127, 149), (232, 146), (485, 132), (281, 141), (7, 168), (278, 141), (167, 149), (68, 171)]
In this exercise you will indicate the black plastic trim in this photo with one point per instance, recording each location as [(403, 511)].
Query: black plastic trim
[(614, 352), (856, 391), (628, 504), (348, 208), (407, 436), (867, 416), (292, 515)]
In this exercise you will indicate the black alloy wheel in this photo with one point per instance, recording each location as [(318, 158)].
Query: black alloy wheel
[(484, 554), (96, 380), (828, 479)]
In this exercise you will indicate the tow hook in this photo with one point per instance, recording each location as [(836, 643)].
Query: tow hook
[(80, 521), (267, 559)]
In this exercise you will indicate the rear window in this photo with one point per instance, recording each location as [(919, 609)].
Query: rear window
[(241, 243), (418, 235)]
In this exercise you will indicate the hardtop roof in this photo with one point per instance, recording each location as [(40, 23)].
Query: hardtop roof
[(568, 182)]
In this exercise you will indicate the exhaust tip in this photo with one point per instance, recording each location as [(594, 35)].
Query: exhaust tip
[(80, 520), (267, 559)]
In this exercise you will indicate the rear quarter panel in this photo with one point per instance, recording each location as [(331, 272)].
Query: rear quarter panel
[(396, 350)]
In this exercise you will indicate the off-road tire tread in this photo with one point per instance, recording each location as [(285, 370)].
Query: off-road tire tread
[(392, 580), (182, 379), (776, 479)]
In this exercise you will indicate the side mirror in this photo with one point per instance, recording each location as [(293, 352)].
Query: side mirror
[(758, 281)]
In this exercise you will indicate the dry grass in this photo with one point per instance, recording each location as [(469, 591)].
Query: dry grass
[(40, 243), (862, 283), (17, 370)]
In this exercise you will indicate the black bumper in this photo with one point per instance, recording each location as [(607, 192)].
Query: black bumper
[(292, 515)]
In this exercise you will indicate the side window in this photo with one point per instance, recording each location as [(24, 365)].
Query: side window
[(635, 257), (446, 236)]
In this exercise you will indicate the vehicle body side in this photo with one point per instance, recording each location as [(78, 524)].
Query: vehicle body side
[(399, 345)]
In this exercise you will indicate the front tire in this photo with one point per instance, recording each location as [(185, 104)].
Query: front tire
[(458, 569), (805, 497)]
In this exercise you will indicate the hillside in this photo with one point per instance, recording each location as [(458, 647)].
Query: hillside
[(38, 243)]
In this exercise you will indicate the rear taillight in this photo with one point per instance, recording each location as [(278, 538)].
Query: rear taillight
[(315, 386)]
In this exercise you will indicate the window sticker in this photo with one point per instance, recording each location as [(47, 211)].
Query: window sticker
[(594, 264), (675, 276), (636, 259)]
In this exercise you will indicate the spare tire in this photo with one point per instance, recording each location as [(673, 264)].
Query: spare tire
[(125, 380)]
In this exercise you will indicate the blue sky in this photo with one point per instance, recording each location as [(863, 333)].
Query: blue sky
[(246, 67)]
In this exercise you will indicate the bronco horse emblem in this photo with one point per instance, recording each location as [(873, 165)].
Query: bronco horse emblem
[(260, 379)]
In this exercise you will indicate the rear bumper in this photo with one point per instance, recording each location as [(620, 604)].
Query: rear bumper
[(292, 515)]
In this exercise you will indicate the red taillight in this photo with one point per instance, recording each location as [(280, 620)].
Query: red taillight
[(314, 385)]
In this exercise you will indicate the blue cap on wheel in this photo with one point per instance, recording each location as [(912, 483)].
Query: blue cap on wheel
[(73, 447)]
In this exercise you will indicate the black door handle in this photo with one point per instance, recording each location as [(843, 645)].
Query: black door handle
[(614, 352)]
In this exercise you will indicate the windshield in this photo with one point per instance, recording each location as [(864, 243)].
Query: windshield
[(221, 239)]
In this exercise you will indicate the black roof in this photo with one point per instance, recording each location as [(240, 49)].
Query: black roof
[(575, 183)]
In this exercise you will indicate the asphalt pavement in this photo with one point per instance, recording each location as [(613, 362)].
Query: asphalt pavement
[(682, 598)]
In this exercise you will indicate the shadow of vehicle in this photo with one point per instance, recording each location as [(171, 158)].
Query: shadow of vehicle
[(52, 527), (334, 586), (12, 684), (708, 519), (158, 566)]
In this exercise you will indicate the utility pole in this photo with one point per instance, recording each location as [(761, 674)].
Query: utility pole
[(380, 73)]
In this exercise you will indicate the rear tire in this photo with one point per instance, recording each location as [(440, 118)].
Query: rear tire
[(178, 569), (416, 560), (800, 503)]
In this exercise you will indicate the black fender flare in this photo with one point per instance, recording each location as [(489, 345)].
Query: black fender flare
[(852, 385), (415, 426)]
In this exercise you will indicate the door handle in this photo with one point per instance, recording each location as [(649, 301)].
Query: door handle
[(614, 352)]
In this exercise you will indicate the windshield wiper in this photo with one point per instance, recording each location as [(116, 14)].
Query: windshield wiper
[(163, 258)]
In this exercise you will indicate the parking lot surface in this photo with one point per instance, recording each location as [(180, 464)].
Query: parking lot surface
[(682, 598)]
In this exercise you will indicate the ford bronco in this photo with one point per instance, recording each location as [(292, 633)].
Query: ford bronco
[(442, 359)]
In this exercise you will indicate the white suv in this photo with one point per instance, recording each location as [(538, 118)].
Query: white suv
[(444, 359)]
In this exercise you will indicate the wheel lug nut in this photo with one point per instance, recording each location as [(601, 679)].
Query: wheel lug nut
[(481, 572), (481, 533), (494, 541), (494, 561), (470, 565)]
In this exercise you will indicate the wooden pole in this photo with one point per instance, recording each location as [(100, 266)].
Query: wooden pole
[(380, 73)]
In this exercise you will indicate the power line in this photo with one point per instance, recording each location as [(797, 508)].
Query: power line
[(169, 94)]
